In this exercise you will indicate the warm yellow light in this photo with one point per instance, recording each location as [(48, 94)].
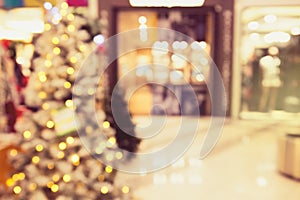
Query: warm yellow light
[(125, 189), (67, 85), (82, 48), (110, 142), (54, 188), (55, 177), (67, 178), (17, 189), (39, 148), (69, 103), (64, 5), (42, 77), (73, 59), (45, 106), (42, 95), (70, 70), (15, 177), (106, 124), (50, 184), (50, 166), (21, 176), (91, 91), (70, 140), (35, 159), (70, 17), (63, 12), (50, 124), (56, 50), (62, 146), (71, 28), (10, 182), (60, 155), (55, 40), (27, 134), (119, 155), (104, 190), (47, 27), (75, 159), (13, 152), (108, 169), (166, 3), (65, 37), (32, 186)]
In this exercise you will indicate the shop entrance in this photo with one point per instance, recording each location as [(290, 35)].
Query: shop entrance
[(270, 61), (196, 23)]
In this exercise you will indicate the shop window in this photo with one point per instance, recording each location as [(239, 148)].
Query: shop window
[(166, 68), (270, 60)]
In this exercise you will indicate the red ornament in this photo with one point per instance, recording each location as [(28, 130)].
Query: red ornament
[(78, 3)]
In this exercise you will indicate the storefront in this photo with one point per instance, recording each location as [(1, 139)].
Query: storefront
[(266, 63), (211, 25)]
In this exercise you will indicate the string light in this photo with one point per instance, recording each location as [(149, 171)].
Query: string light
[(50, 166), (69, 103), (119, 155), (75, 159), (42, 95), (54, 188), (60, 155), (73, 59), (71, 28), (55, 40), (50, 124), (109, 157), (70, 140), (39, 148), (70, 70), (27, 134), (104, 190), (66, 178), (13, 152), (106, 124), (55, 177), (64, 5), (17, 189), (10, 182), (62, 146), (70, 17), (47, 27), (32, 186), (50, 184), (125, 189), (108, 169), (45, 106), (56, 50), (65, 37), (35, 159), (67, 85)]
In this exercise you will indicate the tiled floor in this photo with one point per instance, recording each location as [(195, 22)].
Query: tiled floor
[(241, 167)]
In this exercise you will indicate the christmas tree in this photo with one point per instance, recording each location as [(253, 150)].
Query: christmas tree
[(52, 163)]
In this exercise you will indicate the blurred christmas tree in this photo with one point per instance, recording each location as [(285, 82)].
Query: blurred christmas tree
[(52, 163)]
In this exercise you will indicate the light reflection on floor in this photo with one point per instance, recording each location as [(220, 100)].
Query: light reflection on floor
[(241, 167)]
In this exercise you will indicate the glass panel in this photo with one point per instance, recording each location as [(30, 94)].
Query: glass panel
[(270, 60)]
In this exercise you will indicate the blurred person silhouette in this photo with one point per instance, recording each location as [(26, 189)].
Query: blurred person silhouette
[(270, 65)]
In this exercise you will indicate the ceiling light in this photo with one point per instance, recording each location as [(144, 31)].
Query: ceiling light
[(295, 31), (270, 18), (166, 3), (253, 25)]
